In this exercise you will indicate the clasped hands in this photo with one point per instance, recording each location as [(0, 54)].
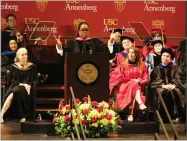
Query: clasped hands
[(169, 86), (27, 87)]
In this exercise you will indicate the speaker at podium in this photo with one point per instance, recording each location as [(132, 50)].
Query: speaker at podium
[(87, 74)]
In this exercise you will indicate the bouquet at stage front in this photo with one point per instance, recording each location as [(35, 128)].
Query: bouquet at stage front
[(98, 119)]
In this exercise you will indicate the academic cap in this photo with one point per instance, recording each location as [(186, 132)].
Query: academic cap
[(157, 41), (127, 37), (168, 51), (120, 30)]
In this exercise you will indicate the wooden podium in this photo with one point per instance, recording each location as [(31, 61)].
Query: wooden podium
[(87, 74)]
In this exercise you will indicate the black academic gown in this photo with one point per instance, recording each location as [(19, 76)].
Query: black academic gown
[(78, 46), (116, 49), (7, 58), (22, 102), (5, 34), (174, 99)]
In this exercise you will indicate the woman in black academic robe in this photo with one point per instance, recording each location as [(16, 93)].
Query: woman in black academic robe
[(83, 43), (21, 77), (166, 83)]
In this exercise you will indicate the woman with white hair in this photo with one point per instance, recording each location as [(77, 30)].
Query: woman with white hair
[(20, 79)]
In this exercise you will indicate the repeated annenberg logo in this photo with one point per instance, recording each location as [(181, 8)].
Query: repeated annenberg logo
[(6, 6), (152, 6), (41, 4), (72, 5), (150, 2), (31, 25), (110, 24), (3, 23), (158, 24), (120, 5), (76, 23)]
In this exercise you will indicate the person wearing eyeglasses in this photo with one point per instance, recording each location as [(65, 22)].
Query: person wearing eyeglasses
[(82, 43)]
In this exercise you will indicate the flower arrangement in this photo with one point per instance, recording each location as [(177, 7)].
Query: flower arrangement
[(98, 119)]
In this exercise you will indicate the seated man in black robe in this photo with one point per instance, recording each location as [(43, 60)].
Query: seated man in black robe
[(165, 82)]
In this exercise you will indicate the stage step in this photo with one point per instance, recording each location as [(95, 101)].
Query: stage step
[(138, 128), (46, 109), (41, 127), (47, 127), (49, 100), (50, 88)]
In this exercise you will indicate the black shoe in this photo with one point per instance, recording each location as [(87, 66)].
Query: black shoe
[(144, 111), (143, 114)]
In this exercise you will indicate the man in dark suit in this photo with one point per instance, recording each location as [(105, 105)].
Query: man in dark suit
[(114, 43), (5, 34)]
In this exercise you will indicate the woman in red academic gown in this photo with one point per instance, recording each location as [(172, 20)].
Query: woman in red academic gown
[(130, 78)]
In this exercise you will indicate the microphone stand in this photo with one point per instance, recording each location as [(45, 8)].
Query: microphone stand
[(90, 48), (84, 47)]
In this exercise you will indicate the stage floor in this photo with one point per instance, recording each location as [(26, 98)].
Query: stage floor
[(11, 131)]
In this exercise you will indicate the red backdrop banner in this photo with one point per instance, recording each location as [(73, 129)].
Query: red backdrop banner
[(62, 17)]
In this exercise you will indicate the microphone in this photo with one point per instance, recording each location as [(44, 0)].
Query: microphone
[(36, 40), (84, 47), (90, 47), (87, 46)]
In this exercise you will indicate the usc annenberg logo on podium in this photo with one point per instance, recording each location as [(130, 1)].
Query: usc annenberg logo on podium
[(41, 4), (77, 22), (120, 5), (87, 73), (158, 24)]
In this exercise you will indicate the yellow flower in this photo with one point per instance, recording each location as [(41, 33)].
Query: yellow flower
[(76, 121), (63, 111), (112, 122), (111, 112), (93, 113), (99, 115), (84, 106), (96, 124), (104, 121), (103, 104)]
